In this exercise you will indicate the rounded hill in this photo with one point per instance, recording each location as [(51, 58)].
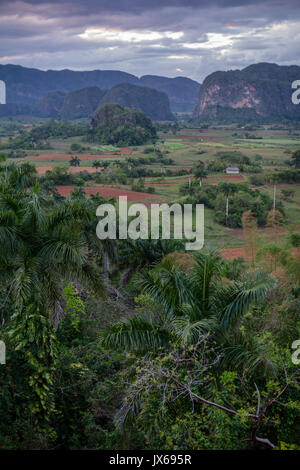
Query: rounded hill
[(118, 125)]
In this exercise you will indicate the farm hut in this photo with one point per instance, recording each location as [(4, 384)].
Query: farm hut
[(232, 170)]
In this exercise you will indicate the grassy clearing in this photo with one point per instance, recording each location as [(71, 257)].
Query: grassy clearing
[(174, 145)]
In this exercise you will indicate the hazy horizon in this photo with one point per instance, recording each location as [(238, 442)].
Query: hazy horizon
[(138, 76)]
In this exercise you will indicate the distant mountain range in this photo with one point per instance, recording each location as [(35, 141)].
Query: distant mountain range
[(259, 92), (84, 102), (28, 86)]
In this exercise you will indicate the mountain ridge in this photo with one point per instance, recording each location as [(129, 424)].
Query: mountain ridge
[(259, 91), (29, 85), (153, 103)]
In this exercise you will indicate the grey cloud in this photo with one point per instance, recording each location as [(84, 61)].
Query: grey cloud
[(45, 34)]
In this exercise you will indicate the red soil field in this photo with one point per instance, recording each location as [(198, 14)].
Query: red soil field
[(42, 169), (105, 192), (232, 253), (68, 157), (125, 150), (238, 232)]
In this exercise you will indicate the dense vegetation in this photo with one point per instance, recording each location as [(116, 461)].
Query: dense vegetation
[(113, 124), (137, 344), (38, 137), (238, 198)]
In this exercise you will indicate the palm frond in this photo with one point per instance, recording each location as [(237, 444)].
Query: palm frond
[(249, 355), (167, 285), (189, 332), (242, 295), (138, 333), (208, 268)]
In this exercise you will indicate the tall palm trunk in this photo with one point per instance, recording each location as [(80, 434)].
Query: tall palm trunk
[(227, 208), (106, 264), (58, 314)]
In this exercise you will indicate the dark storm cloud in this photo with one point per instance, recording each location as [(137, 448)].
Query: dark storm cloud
[(166, 37)]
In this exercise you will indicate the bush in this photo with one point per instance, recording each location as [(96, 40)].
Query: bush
[(257, 180), (150, 189), (76, 147), (148, 150), (287, 194)]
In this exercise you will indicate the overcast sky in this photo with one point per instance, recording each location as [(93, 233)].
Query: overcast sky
[(162, 37)]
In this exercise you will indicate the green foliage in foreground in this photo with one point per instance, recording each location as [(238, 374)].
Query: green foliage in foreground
[(189, 353)]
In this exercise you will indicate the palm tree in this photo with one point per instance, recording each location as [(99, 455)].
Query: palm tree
[(273, 179), (200, 172), (19, 175), (228, 189), (43, 243), (189, 305), (109, 252), (137, 254), (75, 161)]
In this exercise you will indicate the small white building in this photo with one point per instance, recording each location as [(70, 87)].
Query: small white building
[(232, 170)]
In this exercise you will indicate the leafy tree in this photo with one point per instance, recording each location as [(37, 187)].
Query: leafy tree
[(257, 180), (275, 220), (272, 254), (179, 388), (33, 337), (75, 147), (295, 239), (96, 164), (287, 194), (295, 159)]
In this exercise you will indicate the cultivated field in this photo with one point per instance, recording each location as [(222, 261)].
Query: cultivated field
[(186, 148)]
